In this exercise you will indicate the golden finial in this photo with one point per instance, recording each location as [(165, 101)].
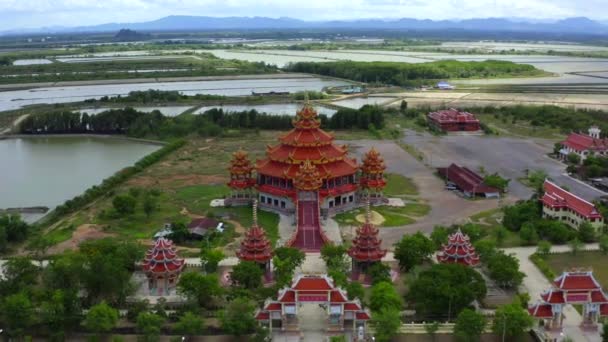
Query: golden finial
[(368, 210), (255, 213)]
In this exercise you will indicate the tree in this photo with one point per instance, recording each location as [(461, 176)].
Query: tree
[(386, 323), (575, 246), (101, 318), (431, 329), (605, 332), (544, 247), (501, 234), (485, 248), (148, 325), (20, 275), (210, 258), (124, 204), (496, 181), (586, 232), (521, 212), (285, 261), (354, 290), (511, 320), (439, 236), (384, 295), (189, 324), (446, 288), (335, 258), (504, 269), (238, 318), (180, 233), (528, 233), (557, 147), (379, 272), (199, 288), (403, 105), (412, 250), (61, 312), (573, 159), (469, 325), (247, 274), (18, 314), (150, 204), (604, 244)]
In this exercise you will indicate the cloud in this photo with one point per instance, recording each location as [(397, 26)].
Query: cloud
[(15, 14)]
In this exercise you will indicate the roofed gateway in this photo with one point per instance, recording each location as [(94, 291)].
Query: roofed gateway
[(309, 175)]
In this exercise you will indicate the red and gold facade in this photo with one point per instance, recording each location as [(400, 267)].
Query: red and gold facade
[(255, 246), (372, 175), (307, 159)]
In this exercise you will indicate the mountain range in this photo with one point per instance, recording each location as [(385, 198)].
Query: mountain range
[(581, 25)]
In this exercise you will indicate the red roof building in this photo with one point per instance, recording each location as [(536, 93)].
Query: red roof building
[(467, 181), (202, 226), (458, 251), (453, 120), (162, 267), (574, 287), (342, 311), (372, 175), (255, 246), (585, 145), (366, 247), (562, 205)]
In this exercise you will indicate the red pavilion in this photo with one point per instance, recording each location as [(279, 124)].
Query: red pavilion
[(365, 249), (458, 251), (162, 267), (309, 175), (256, 247)]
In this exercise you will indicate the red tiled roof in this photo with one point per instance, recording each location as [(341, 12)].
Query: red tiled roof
[(452, 116), (161, 258), (582, 142), (362, 316), (541, 311), (352, 306), (204, 222), (598, 297), (273, 307), (553, 297), (576, 281), (312, 283), (604, 310), (465, 179), (557, 197), (288, 296), (262, 316), (337, 297)]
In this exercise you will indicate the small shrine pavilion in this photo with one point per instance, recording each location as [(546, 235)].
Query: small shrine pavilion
[(241, 181), (366, 247), (162, 267), (372, 175), (458, 251), (256, 247), (573, 287), (342, 313)]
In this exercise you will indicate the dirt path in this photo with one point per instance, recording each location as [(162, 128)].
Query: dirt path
[(83, 233), (15, 123)]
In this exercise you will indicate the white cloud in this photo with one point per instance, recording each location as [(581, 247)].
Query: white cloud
[(36, 13)]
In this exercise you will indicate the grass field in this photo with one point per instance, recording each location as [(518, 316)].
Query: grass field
[(594, 260), (520, 129), (393, 216), (490, 222), (398, 186)]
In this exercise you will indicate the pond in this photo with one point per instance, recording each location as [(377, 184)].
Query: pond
[(240, 86), (274, 108), (32, 61), (47, 171)]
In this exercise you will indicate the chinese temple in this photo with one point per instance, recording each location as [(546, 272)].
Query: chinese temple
[(574, 287), (256, 247), (342, 313), (162, 267), (365, 249), (308, 175), (453, 120), (458, 251), (241, 181)]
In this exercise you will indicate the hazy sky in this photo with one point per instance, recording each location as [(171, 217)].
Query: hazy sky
[(15, 14)]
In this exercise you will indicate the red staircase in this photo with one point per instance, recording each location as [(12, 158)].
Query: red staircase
[(308, 236)]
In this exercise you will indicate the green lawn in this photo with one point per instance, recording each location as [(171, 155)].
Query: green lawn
[(394, 216), (398, 185), (490, 221), (520, 128), (594, 260)]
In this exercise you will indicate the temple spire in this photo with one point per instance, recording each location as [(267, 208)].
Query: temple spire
[(368, 210), (255, 213)]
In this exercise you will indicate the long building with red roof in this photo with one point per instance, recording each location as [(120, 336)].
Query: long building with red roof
[(470, 183), (585, 145), (453, 120), (565, 206), (572, 287)]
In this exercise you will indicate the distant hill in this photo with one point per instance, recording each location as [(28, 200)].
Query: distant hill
[(580, 25)]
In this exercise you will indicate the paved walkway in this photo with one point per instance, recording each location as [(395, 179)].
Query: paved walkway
[(535, 283)]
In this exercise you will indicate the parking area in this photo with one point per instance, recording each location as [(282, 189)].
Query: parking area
[(510, 157)]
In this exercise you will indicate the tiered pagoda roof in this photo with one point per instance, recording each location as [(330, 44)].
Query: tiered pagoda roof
[(366, 245), (306, 141), (255, 247), (458, 250), (308, 177), (240, 171), (574, 287), (162, 259), (372, 171)]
